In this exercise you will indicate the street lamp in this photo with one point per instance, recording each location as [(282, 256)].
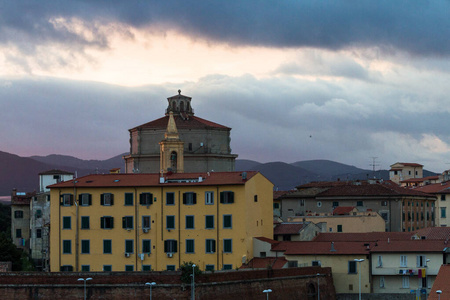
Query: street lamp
[(318, 287), (193, 282), (359, 271), (439, 292), (150, 284), (82, 279), (267, 293)]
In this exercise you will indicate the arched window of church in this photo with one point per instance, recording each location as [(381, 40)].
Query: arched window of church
[(173, 161), (181, 106), (174, 106)]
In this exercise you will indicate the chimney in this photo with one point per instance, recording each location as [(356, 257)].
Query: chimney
[(332, 247)]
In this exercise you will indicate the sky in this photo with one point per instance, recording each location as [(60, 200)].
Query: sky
[(358, 82)]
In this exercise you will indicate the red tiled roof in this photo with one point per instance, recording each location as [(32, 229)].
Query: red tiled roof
[(288, 228), (434, 233), (362, 236), (408, 164), (278, 194), (420, 179), (190, 123), (386, 188), (410, 246), (127, 179), (322, 184), (436, 188), (264, 263), (22, 199), (343, 210), (441, 283), (322, 248)]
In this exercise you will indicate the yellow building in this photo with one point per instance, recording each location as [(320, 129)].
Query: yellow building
[(141, 222)]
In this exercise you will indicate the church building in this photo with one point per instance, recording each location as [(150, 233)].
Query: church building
[(179, 142)]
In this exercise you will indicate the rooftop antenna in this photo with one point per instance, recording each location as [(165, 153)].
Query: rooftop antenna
[(374, 164)]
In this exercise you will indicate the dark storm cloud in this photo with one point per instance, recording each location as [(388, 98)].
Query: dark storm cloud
[(418, 27)]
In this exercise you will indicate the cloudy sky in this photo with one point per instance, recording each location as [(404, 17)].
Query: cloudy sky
[(296, 80)]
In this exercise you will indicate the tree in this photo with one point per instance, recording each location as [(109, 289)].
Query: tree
[(9, 252), (186, 271)]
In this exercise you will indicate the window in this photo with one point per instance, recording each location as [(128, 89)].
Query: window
[(170, 222), (316, 263), (66, 199), (107, 222), (38, 233), (227, 197), (339, 228), (405, 282), (190, 246), (127, 222), (335, 204), (286, 237), (18, 214), (38, 213), (85, 222), (107, 199), (210, 246), (18, 233), (227, 221), (67, 222), (383, 203), (292, 264), (319, 204), (443, 197), (107, 268), (129, 268), (170, 267), (189, 198), (227, 246), (85, 246), (352, 267), (107, 247), (129, 246), (209, 222), (85, 199), (146, 246), (403, 261), (421, 261), (67, 247), (189, 222), (209, 267), (443, 212), (255, 198), (128, 199), (209, 198), (359, 203), (146, 222), (382, 282), (146, 199), (146, 268), (67, 268), (170, 198), (170, 246), (85, 268), (227, 267), (380, 261)]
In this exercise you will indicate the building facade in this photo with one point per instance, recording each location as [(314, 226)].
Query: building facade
[(20, 219), (143, 222), (404, 171), (180, 142)]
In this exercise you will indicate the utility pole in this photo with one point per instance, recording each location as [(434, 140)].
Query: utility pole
[(373, 165)]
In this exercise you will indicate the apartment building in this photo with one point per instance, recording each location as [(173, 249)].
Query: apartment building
[(143, 222)]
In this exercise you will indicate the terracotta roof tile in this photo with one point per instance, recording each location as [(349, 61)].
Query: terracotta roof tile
[(434, 233), (264, 239), (441, 283), (264, 263), (437, 188), (362, 236), (343, 210), (410, 246), (323, 248), (288, 228), (127, 180), (56, 172)]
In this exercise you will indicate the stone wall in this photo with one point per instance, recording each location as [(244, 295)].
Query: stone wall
[(293, 283)]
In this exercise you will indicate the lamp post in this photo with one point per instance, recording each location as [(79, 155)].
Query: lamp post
[(267, 293), (359, 271), (318, 287), (439, 292), (193, 282), (82, 279), (150, 284)]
